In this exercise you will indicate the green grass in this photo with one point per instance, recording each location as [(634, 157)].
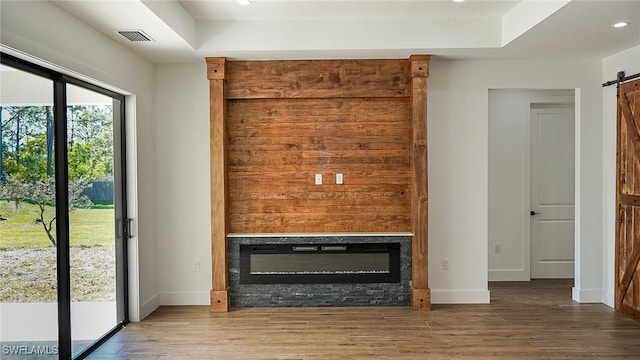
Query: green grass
[(88, 227), (28, 260), (102, 206)]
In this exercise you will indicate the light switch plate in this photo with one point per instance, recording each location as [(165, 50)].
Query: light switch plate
[(339, 179), (318, 179)]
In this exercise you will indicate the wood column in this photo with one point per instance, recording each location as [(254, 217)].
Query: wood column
[(219, 184), (420, 293)]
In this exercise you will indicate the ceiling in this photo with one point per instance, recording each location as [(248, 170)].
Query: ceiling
[(188, 30)]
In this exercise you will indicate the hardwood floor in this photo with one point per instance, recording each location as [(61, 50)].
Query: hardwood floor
[(535, 320)]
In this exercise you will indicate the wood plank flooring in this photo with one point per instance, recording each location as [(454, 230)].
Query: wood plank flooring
[(531, 320)]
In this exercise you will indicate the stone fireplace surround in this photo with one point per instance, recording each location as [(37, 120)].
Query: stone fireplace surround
[(300, 295)]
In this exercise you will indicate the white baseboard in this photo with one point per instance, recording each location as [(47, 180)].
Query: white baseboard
[(149, 306), (508, 275), (608, 298), (460, 296), (586, 295), (185, 298)]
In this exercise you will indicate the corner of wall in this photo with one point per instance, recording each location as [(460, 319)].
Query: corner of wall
[(149, 306), (586, 295)]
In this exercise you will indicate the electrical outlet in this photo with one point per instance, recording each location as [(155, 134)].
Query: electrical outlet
[(497, 248), (196, 266), (445, 264), (338, 179)]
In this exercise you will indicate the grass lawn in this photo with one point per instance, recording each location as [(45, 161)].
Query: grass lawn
[(89, 227), (28, 259)]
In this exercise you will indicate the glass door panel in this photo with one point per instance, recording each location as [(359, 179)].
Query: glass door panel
[(28, 252), (93, 245)]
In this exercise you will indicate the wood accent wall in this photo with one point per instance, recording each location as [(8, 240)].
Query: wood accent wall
[(276, 146), (275, 124)]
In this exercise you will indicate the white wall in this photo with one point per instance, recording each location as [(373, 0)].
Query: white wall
[(458, 168), (458, 173), (509, 178), (184, 196), (628, 61), (458, 157), (41, 30)]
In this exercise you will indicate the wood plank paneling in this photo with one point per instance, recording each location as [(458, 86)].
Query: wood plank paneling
[(284, 121), (278, 145), (318, 79)]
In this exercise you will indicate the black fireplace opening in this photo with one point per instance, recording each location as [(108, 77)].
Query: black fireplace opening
[(320, 263)]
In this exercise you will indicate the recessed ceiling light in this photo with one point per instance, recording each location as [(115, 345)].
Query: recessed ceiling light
[(244, 2), (458, 0), (620, 24)]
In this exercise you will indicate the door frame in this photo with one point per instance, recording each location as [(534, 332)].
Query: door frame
[(59, 86), (522, 272)]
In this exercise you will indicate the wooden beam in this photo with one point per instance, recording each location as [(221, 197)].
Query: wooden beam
[(421, 296), (291, 79), (219, 184)]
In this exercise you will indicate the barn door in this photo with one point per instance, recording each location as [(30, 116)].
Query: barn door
[(627, 297)]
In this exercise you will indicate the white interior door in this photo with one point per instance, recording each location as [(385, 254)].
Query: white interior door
[(552, 191)]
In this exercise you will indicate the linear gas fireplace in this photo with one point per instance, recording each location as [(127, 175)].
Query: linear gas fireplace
[(320, 263), (279, 270)]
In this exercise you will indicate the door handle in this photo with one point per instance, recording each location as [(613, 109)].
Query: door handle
[(533, 212)]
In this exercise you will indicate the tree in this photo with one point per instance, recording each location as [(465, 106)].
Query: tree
[(20, 125), (2, 177), (88, 122), (50, 140), (43, 194), (27, 134), (13, 189)]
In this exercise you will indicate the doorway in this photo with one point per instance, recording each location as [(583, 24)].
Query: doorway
[(530, 210), (62, 201)]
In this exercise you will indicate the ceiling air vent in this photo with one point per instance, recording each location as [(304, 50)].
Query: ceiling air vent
[(135, 35)]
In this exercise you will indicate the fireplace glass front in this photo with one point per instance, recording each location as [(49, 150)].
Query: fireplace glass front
[(319, 263)]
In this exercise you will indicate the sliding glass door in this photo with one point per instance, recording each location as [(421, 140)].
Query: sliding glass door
[(93, 243), (28, 266), (62, 205)]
